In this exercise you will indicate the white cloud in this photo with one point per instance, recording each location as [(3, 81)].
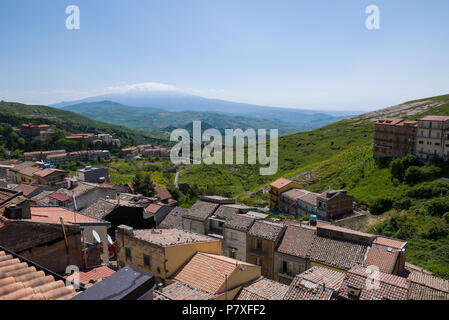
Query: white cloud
[(142, 87)]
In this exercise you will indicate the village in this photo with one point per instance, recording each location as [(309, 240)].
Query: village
[(61, 235)]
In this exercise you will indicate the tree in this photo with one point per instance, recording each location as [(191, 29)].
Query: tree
[(397, 169), (412, 175), (143, 184)]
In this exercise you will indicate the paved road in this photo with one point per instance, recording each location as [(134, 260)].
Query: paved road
[(176, 179)]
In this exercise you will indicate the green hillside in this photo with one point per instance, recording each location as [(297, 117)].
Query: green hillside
[(151, 119), (14, 114), (414, 206)]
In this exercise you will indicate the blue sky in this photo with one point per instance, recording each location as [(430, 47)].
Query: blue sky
[(287, 53)]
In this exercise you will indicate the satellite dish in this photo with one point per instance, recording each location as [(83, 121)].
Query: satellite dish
[(110, 240), (96, 236)]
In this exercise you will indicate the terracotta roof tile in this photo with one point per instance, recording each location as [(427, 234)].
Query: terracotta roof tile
[(100, 209), (201, 271), (390, 287), (19, 281), (94, 274), (303, 289), (240, 222), (173, 219), (267, 230), (279, 183), (201, 210), (381, 257), (52, 214), (171, 237), (337, 253), (297, 241), (182, 291), (263, 289)]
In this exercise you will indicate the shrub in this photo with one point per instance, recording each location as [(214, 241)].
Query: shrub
[(412, 175), (438, 206), (397, 169), (380, 205)]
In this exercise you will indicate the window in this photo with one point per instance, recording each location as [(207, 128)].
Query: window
[(146, 260), (128, 253), (437, 143), (259, 244), (421, 142), (232, 252), (259, 261), (233, 236), (284, 266)]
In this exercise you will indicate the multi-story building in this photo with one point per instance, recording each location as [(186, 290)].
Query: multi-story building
[(433, 137), (291, 254), (234, 236), (331, 204), (35, 131), (394, 137), (86, 138), (277, 188), (160, 251), (261, 242)]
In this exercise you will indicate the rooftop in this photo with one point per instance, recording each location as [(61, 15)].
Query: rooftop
[(297, 241), (279, 183), (240, 222), (263, 289), (266, 230), (337, 253), (99, 209), (95, 274), (182, 291), (319, 275), (173, 219), (48, 171), (37, 233), (52, 214), (59, 196), (170, 237), (383, 257), (207, 271), (26, 189), (435, 118), (201, 210), (303, 289), (390, 287), (19, 280)]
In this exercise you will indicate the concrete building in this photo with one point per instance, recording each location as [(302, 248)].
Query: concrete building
[(433, 138), (234, 236), (277, 188), (160, 252), (93, 174), (394, 138)]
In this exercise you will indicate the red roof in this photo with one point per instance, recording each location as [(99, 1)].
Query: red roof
[(435, 118), (96, 274), (153, 208), (59, 196), (52, 214), (279, 183)]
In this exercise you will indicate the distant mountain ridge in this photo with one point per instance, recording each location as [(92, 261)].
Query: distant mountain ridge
[(156, 110)]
